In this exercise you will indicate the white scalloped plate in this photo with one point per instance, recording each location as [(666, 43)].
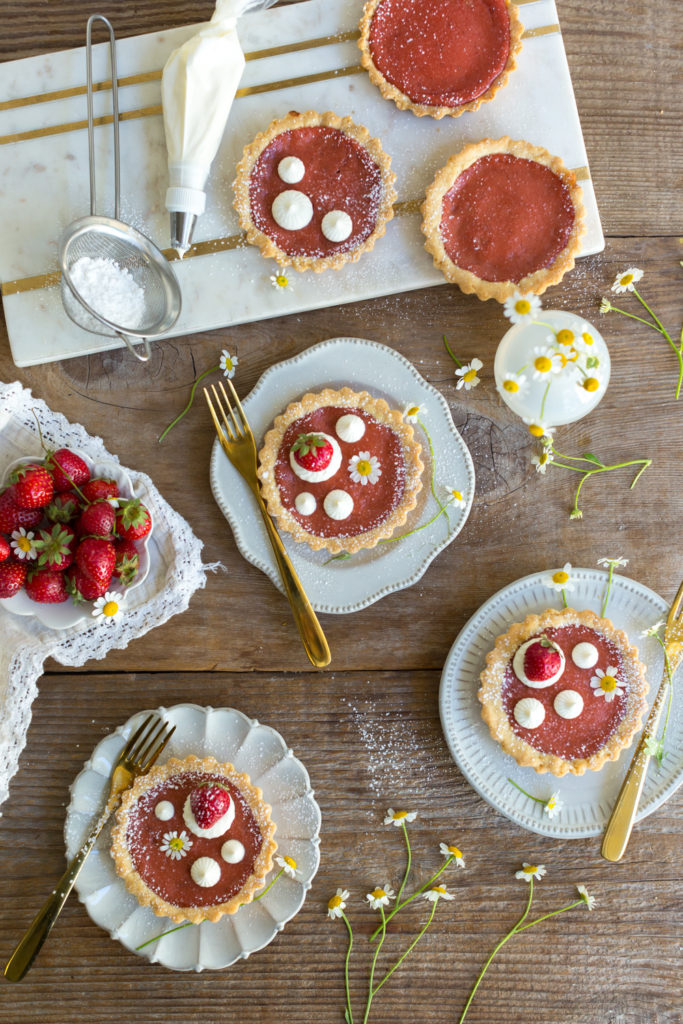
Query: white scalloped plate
[(349, 585), (588, 799), (67, 614), (227, 735)]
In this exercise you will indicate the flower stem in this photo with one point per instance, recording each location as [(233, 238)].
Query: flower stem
[(189, 924), (553, 913), (402, 536), (605, 599), (545, 395), (374, 964), (427, 885), (564, 599), (450, 352), (408, 863), (670, 679), (538, 799), (615, 309), (433, 459), (189, 404), (660, 325), (268, 887), (412, 946), (349, 1011)]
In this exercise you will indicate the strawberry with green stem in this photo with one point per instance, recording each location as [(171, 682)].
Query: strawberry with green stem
[(312, 452), (55, 547), (133, 521)]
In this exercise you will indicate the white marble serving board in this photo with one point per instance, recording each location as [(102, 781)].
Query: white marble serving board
[(44, 168)]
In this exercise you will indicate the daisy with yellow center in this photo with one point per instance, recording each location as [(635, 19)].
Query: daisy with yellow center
[(522, 309), (336, 905), (565, 337), (280, 282), (22, 545), (397, 818), (626, 282), (590, 384), (530, 871), (539, 428), (514, 384), (542, 461), (364, 468), (606, 684), (288, 865), (586, 896), (228, 364), (585, 343), (468, 375), (560, 579), (454, 852), (380, 896), (553, 805), (455, 497), (413, 411), (109, 607), (438, 892), (546, 361), (175, 845), (653, 630)]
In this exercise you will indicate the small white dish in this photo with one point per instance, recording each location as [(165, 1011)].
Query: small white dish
[(588, 799), (340, 586), (68, 613), (227, 735)]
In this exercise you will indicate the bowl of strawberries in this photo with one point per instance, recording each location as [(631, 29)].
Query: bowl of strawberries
[(71, 532)]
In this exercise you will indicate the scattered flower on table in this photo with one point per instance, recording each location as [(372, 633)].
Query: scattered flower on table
[(586, 897), (281, 282), (364, 468), (228, 364), (438, 892), (521, 309), (109, 607), (380, 896), (606, 684), (397, 818), (653, 630), (542, 460), (561, 579), (454, 852), (413, 411), (530, 871), (468, 375), (336, 905), (514, 384), (175, 845), (605, 305), (288, 865), (627, 281), (614, 563), (22, 544), (553, 805)]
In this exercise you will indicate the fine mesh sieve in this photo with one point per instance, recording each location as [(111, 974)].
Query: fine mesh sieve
[(110, 239)]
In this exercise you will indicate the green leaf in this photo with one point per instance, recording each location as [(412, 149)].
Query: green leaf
[(591, 362), (655, 748), (347, 1018), (592, 458), (337, 558)]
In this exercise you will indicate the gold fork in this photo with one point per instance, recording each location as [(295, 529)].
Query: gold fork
[(237, 441), (136, 758), (621, 821)]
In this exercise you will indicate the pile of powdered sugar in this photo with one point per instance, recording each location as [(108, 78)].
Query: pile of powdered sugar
[(110, 290)]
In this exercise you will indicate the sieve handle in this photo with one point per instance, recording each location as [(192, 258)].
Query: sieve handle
[(142, 356), (115, 113)]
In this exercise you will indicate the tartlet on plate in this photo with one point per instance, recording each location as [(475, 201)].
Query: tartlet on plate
[(503, 216), (439, 57), (180, 868), (314, 191), (563, 692), (340, 470)]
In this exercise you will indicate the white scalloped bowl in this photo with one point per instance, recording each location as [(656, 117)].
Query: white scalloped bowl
[(67, 614), (256, 749)]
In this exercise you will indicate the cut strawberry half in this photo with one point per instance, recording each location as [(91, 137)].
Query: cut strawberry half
[(542, 660), (312, 452), (209, 803)]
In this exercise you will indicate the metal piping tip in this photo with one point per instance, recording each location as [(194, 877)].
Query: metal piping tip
[(182, 229)]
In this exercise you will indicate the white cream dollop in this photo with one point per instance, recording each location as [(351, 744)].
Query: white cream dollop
[(529, 713), (164, 810), (518, 667), (336, 226), (317, 476), (292, 210), (305, 503), (206, 872), (291, 169), (349, 428), (219, 828), (338, 504), (232, 851), (568, 704), (585, 655)]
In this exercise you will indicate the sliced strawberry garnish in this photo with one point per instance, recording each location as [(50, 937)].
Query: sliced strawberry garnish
[(209, 803), (312, 452), (541, 660)]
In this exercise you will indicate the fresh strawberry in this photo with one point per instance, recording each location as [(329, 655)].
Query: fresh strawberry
[(82, 587), (96, 558), (56, 547), (46, 586), (12, 576), (12, 517), (4, 549), (133, 521), (96, 520), (127, 561), (542, 660), (209, 803), (63, 507), (68, 469), (34, 487), (99, 489), (312, 452)]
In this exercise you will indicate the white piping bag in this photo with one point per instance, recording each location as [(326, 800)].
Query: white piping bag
[(198, 86)]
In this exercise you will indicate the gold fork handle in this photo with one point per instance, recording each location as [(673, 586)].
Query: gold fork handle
[(41, 926), (305, 618)]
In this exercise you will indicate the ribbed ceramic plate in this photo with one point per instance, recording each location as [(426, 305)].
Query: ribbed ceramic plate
[(68, 613), (352, 584), (227, 735), (588, 799)]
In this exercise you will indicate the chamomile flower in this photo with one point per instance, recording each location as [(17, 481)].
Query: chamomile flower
[(606, 684), (585, 342), (438, 892), (560, 579), (626, 281), (543, 460), (22, 545), (227, 364), (614, 563), (364, 468), (588, 386), (454, 852), (530, 871), (553, 805), (468, 375), (513, 384), (280, 282), (565, 338), (546, 362), (397, 818), (380, 896), (413, 411), (175, 845), (288, 865), (455, 497), (336, 905), (653, 630), (521, 309), (586, 896), (109, 607), (539, 428)]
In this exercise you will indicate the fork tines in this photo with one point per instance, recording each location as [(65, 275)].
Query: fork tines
[(148, 741)]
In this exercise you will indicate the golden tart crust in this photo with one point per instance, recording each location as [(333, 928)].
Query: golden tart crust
[(311, 119), (260, 810), (379, 410), (537, 281), (494, 714), (403, 102)]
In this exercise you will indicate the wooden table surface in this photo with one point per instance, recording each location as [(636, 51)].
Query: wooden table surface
[(368, 727)]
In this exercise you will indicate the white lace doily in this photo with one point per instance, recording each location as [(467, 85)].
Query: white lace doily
[(176, 572)]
